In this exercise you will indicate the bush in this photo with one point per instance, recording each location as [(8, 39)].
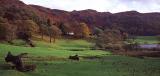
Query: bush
[(110, 39)]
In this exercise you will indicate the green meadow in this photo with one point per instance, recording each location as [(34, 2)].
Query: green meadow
[(108, 66), (53, 60), (62, 48)]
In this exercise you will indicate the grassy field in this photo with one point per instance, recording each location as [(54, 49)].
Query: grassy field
[(62, 48), (147, 39), (107, 65)]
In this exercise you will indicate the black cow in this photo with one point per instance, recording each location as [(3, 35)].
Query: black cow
[(16, 60), (76, 57)]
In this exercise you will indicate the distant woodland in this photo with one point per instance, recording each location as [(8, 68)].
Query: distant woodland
[(18, 20)]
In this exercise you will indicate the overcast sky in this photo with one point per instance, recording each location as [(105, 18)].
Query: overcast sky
[(113, 6)]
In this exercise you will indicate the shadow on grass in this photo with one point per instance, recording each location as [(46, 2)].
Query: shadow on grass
[(7, 67)]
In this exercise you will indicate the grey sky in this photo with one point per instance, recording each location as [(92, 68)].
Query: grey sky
[(100, 5)]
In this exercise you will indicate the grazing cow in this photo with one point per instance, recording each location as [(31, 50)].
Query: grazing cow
[(76, 57), (16, 60)]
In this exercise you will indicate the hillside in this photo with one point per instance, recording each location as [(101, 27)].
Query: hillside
[(131, 22)]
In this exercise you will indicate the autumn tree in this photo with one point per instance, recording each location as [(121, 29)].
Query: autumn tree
[(41, 22), (65, 28), (85, 30), (110, 39), (10, 32), (43, 29), (53, 31), (26, 28), (49, 24), (7, 30), (97, 31)]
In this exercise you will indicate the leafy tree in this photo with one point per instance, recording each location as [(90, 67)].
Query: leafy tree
[(42, 25), (53, 31), (49, 24), (110, 39), (97, 31), (43, 29), (7, 30), (85, 30), (10, 32), (65, 28), (26, 28)]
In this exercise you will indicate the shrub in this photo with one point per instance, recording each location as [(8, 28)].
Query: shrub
[(110, 39)]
